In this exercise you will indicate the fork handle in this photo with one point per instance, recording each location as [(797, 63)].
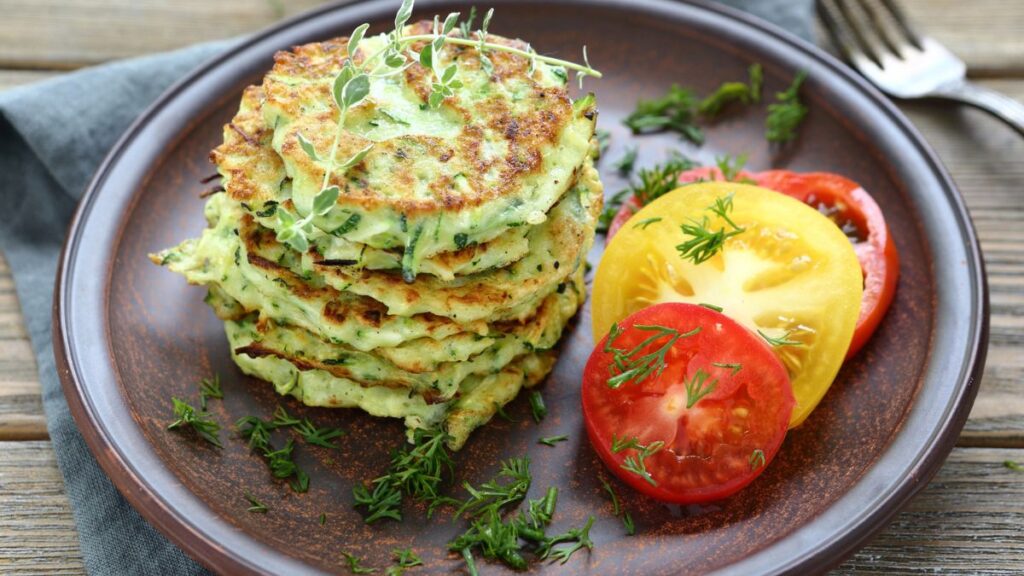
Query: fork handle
[(1005, 108)]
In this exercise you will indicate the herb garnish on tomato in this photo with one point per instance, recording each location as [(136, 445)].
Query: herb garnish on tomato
[(688, 426)]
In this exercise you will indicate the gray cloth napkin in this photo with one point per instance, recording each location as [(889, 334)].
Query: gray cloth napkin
[(53, 136)]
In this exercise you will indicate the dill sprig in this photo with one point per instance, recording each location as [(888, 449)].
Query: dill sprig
[(580, 537), (625, 164), (698, 387), (703, 243), (418, 472), (710, 306), (537, 406), (779, 341), (404, 559), (734, 367), (200, 422), (674, 112), (318, 436), (552, 440), (617, 508), (255, 506), (604, 139), (209, 388), (355, 564), (508, 540), (495, 494), (643, 224), (731, 166), (282, 419), (634, 366), (636, 464), (786, 114), (280, 461), (652, 183), (757, 459)]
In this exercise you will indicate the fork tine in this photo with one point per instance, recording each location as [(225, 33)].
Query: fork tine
[(838, 31), (880, 28), (902, 22), (857, 31)]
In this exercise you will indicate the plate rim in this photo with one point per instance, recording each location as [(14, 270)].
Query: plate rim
[(196, 542)]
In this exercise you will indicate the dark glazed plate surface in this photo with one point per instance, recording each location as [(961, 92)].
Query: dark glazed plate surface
[(130, 335)]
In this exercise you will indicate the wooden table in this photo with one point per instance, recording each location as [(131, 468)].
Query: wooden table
[(970, 519)]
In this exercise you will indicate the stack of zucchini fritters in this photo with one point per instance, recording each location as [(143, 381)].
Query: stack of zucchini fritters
[(441, 280)]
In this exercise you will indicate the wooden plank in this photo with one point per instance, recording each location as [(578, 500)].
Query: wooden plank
[(984, 157), (63, 34), (967, 520), (21, 409), (984, 33), (37, 532)]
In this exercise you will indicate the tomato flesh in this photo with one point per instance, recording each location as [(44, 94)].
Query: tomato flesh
[(847, 204), (713, 446), (858, 215)]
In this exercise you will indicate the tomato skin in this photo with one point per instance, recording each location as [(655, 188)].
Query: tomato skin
[(632, 205), (876, 251), (760, 390)]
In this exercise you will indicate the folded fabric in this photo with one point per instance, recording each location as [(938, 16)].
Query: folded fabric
[(53, 136)]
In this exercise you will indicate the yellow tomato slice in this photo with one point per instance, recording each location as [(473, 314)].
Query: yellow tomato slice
[(791, 275)]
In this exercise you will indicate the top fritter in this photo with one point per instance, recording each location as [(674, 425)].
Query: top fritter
[(497, 152)]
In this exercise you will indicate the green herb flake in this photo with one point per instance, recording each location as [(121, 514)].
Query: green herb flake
[(537, 406), (757, 459), (186, 417), (781, 340), (703, 242), (255, 506), (209, 388), (552, 440), (710, 307), (626, 163), (786, 114), (675, 111), (643, 224), (355, 564)]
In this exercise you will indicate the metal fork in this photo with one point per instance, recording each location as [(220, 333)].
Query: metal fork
[(878, 40)]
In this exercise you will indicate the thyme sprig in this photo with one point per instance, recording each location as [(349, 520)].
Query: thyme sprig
[(351, 86), (634, 366), (200, 422), (703, 242), (636, 464)]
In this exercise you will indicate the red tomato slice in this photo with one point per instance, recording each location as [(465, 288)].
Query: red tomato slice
[(857, 214), (720, 404), (852, 209)]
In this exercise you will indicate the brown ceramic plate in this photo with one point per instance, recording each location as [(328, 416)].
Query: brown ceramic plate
[(131, 335)]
